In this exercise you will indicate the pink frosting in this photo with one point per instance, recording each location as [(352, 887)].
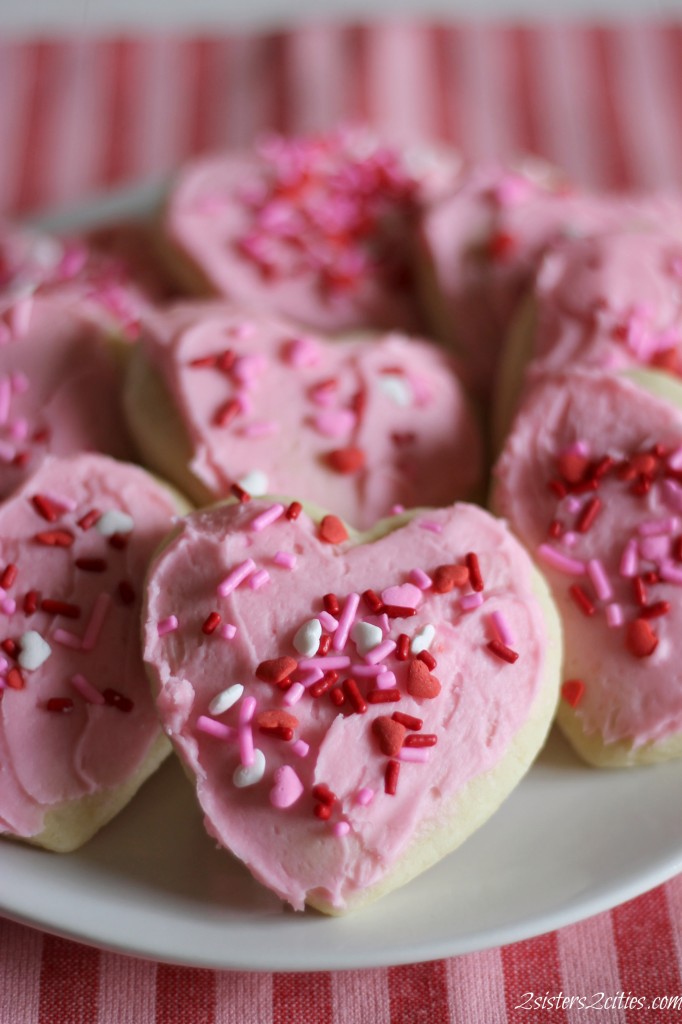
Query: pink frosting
[(394, 400), (626, 698), (49, 757), (611, 302), (60, 385), (483, 703), (316, 229), (483, 244)]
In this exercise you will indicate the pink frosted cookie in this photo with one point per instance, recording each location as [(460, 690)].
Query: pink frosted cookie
[(78, 731), (60, 382), (590, 481), (216, 398), (351, 708), (317, 229), (482, 244)]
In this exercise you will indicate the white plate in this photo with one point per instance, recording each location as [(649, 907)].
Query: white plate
[(571, 841)]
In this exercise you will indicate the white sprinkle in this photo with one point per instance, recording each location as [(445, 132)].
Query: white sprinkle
[(34, 650), (226, 699), (422, 640), (249, 775), (366, 636), (254, 483), (397, 388), (114, 521), (307, 638)]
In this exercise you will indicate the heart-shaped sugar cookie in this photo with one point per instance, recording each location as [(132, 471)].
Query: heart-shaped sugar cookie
[(218, 398), (377, 761)]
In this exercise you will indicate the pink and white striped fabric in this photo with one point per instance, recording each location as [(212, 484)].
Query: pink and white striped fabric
[(80, 115)]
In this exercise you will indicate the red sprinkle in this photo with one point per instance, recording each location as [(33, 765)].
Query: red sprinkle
[(330, 602), (651, 577), (276, 718), (501, 246), (276, 670), (91, 564), (582, 599), (54, 607), (640, 591), (336, 696), (325, 645), (119, 541), (117, 700), (572, 691), (211, 623), (502, 652), (277, 732), (9, 576), (346, 460), (324, 684), (202, 362), (332, 530), (425, 739), (653, 611), (322, 811), (588, 515), (558, 487), (31, 602), (394, 611), (226, 360), (475, 577), (447, 577), (599, 470), (59, 704), (10, 647), (383, 696), (572, 467), (555, 530), (428, 660), (46, 508), (373, 601), (677, 549), (89, 519), (227, 412), (322, 792), (294, 510), (403, 649), (239, 493), (126, 592), (409, 721), (391, 777), (355, 698), (15, 679), (55, 538), (640, 638)]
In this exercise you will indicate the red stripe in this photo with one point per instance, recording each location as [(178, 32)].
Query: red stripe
[(532, 967), (184, 994), (617, 174), (200, 57), (116, 157), (281, 117), (644, 947), (418, 993), (523, 43), (357, 86), (32, 161), (442, 49), (306, 998), (671, 44), (69, 982)]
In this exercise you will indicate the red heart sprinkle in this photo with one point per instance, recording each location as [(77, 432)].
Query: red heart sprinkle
[(332, 530), (447, 577), (389, 733), (276, 719), (276, 670), (346, 460), (640, 638), (572, 691), (572, 466), (420, 682)]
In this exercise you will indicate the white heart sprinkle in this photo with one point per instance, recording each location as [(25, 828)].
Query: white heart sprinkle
[(366, 636), (224, 700), (34, 650), (254, 483), (248, 775), (114, 521), (422, 640), (397, 388), (307, 638)]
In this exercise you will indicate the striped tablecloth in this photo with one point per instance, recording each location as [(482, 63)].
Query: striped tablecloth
[(80, 115)]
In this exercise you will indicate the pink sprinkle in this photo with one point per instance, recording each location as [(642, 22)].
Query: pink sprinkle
[(470, 602), (386, 681), (325, 663), (66, 639), (18, 428), (62, 502), (260, 428), (300, 352), (334, 423), (599, 579), (341, 829), (227, 631), (629, 561), (293, 694), (4, 664), (501, 628), (266, 518), (86, 689), (5, 398), (8, 606), (364, 796), (380, 652), (573, 504), (420, 579), (670, 572), (96, 621), (346, 618), (243, 330), (19, 316), (328, 622), (245, 403), (300, 748), (164, 626), (675, 459), (7, 451), (653, 527), (237, 576), (418, 755), (569, 539), (3, 684), (570, 566), (366, 671), (20, 382), (213, 728), (431, 525), (246, 752), (309, 676), (323, 395), (512, 190), (396, 510), (286, 560), (247, 368), (259, 579), (614, 615), (672, 493), (655, 549), (247, 710), (579, 447), (5, 338)]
